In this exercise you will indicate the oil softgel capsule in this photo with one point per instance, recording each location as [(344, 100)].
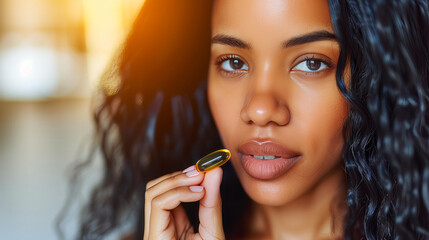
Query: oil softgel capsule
[(213, 160)]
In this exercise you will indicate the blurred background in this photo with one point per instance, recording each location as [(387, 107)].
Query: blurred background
[(52, 54)]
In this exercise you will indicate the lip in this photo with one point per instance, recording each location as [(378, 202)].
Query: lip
[(266, 169)]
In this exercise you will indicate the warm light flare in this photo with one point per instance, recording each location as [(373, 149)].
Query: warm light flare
[(51, 48), (28, 72), (106, 26)]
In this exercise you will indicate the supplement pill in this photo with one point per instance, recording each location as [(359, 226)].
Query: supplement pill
[(213, 160)]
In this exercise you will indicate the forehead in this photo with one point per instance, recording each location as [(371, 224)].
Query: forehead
[(270, 18)]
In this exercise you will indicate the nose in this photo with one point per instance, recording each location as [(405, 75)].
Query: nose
[(264, 108)]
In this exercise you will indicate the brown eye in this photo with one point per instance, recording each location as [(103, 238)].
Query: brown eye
[(236, 64), (233, 64), (313, 64)]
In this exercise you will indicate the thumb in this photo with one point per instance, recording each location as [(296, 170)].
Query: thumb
[(210, 211)]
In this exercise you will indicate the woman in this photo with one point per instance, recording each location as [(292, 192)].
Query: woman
[(323, 106)]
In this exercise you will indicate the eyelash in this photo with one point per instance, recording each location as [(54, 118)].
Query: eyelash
[(220, 60), (329, 64)]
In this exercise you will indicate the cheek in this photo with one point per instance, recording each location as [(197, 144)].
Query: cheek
[(224, 107), (322, 129)]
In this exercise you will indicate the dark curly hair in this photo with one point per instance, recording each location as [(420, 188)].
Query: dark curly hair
[(387, 150), (158, 121)]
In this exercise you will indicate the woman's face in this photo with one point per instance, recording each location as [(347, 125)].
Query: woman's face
[(273, 95)]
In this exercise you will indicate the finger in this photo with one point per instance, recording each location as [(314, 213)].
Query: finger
[(161, 223), (160, 179), (148, 199), (210, 212), (185, 179), (181, 221), (168, 182)]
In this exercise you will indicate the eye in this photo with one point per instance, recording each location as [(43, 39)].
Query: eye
[(232, 63), (311, 65)]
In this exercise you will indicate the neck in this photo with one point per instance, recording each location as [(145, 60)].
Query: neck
[(318, 214)]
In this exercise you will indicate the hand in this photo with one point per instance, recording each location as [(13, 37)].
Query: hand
[(166, 219)]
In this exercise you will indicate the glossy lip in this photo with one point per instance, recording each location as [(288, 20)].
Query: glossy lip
[(266, 169)]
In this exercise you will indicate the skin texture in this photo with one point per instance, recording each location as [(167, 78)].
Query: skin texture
[(269, 96)]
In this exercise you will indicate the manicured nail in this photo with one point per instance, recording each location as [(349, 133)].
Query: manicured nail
[(189, 169), (192, 173), (196, 188)]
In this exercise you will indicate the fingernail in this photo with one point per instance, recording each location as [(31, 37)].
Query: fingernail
[(189, 169), (192, 173), (196, 188)]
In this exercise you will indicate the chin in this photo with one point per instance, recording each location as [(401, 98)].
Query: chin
[(269, 193)]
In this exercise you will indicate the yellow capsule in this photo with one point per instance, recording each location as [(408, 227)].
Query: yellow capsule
[(213, 160)]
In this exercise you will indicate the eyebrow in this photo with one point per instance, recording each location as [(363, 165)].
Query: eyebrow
[(309, 37), (230, 41), (302, 39)]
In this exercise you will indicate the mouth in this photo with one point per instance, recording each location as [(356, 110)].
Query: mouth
[(266, 160), (266, 150), (265, 157)]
